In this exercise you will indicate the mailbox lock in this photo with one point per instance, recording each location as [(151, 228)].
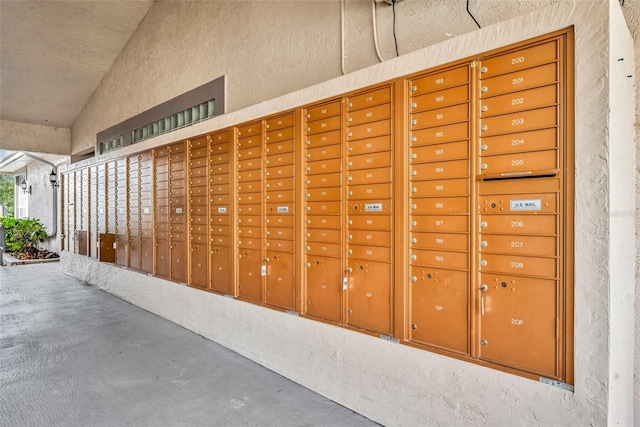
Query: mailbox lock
[(483, 69), (414, 156), (308, 248), (483, 224), (484, 288), (349, 270), (493, 205), (429, 276), (483, 342), (266, 260), (484, 127), (484, 89), (414, 279), (414, 223), (350, 222), (414, 206), (308, 265), (414, 139), (414, 240), (414, 88), (484, 108), (414, 189), (483, 166), (414, 105), (483, 263), (414, 326), (504, 284), (414, 122), (484, 147), (483, 244), (414, 257), (350, 251)]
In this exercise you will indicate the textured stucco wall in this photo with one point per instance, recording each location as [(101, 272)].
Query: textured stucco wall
[(41, 202), (17, 136), (398, 385)]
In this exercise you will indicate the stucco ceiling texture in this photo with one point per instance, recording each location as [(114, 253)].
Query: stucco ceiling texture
[(53, 54)]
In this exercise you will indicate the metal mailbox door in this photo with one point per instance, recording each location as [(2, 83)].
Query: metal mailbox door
[(146, 254), (371, 145), (369, 295), (280, 280), (324, 288), (250, 274), (439, 314), (134, 252), (199, 276), (162, 258), (121, 249), (322, 111), (439, 81), (178, 253), (107, 252), (221, 269), (518, 323)]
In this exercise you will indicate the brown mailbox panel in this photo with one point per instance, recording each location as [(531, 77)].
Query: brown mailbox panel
[(221, 268), (324, 288), (280, 220), (369, 222), (377, 207), (370, 176), (440, 152), (440, 80), (439, 313), (280, 245), (439, 188), (279, 135), (520, 59), (247, 187), (324, 249), (519, 245), (332, 108), (199, 274), (440, 205), (279, 147), (519, 80), (440, 99), (322, 221), (369, 192), (250, 129), (368, 161), (279, 160), (146, 254), (217, 150), (440, 116), (519, 203), (370, 145), (324, 167), (369, 295), (280, 122), (440, 259), (440, 241), (280, 233), (369, 130), (519, 265), (251, 142), (329, 194), (440, 134), (220, 137), (279, 196), (519, 224), (324, 180), (134, 253), (178, 254), (280, 279), (369, 115), (324, 235), (368, 99), (519, 122), (371, 253), (249, 274), (324, 125), (518, 326), (107, 251), (323, 139), (519, 142), (369, 237), (520, 101), (520, 164), (162, 258)]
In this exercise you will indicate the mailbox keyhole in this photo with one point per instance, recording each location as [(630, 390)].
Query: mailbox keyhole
[(362, 267), (493, 205), (355, 208), (429, 276), (317, 262), (504, 284)]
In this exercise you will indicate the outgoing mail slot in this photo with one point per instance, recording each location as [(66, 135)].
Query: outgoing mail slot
[(280, 221), (369, 237), (439, 304), (324, 287), (438, 188), (319, 194), (324, 125), (369, 295), (520, 59), (280, 122), (279, 135), (221, 268), (375, 97), (440, 259), (324, 249), (370, 176), (220, 189), (371, 253), (511, 186), (520, 80), (322, 139), (440, 80), (519, 142), (440, 205), (519, 245), (324, 235), (369, 192), (323, 208), (519, 101), (249, 243), (252, 175), (249, 164), (324, 180), (325, 110), (219, 169), (219, 179), (250, 220), (249, 274), (519, 265), (249, 187), (440, 99), (441, 170), (279, 196), (280, 148), (325, 152), (280, 184), (280, 233), (520, 164), (279, 160), (369, 222), (519, 122), (219, 148), (519, 224), (369, 130), (324, 166), (220, 137), (280, 278), (443, 241), (440, 117), (280, 208), (371, 145), (250, 129), (249, 209), (280, 245), (198, 182), (440, 135), (249, 153), (368, 161), (371, 207), (219, 159), (249, 198), (519, 203), (518, 327), (279, 172), (440, 152), (369, 115), (321, 221)]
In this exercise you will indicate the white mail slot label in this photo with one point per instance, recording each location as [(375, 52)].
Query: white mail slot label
[(283, 209), (373, 207), (178, 210), (526, 205), (146, 210), (222, 210)]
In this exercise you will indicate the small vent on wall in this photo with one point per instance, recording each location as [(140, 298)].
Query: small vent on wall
[(178, 120)]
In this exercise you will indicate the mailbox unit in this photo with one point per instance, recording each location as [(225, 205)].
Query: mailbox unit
[(434, 209)]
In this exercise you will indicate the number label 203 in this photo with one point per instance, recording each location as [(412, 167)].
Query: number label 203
[(517, 322)]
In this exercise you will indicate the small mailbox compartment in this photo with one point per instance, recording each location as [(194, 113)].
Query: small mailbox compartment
[(250, 274), (280, 279), (324, 287)]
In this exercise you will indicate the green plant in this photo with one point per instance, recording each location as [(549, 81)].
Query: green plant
[(23, 235)]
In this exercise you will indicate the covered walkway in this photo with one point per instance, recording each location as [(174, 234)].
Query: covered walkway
[(73, 355)]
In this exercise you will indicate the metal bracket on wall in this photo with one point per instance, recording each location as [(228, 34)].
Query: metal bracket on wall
[(556, 383)]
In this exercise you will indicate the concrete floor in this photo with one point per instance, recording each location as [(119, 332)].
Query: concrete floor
[(73, 355)]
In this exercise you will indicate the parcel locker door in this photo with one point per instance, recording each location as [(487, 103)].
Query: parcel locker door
[(82, 241), (134, 252), (121, 249), (369, 295), (221, 269), (199, 273), (280, 279), (250, 274), (162, 258), (518, 323), (324, 288), (146, 254), (178, 253), (439, 302), (107, 251)]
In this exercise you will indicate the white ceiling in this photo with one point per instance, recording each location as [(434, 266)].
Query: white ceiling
[(53, 54)]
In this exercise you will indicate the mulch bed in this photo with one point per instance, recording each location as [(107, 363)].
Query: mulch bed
[(35, 254)]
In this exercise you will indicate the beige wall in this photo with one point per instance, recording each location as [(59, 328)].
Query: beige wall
[(17, 136)]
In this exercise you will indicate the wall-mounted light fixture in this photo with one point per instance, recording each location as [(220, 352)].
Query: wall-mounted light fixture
[(27, 190), (53, 179)]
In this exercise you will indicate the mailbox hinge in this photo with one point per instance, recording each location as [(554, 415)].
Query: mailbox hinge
[(474, 64), (293, 313), (556, 383), (389, 338)]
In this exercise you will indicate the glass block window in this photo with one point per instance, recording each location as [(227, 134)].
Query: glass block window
[(111, 144), (175, 121)]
